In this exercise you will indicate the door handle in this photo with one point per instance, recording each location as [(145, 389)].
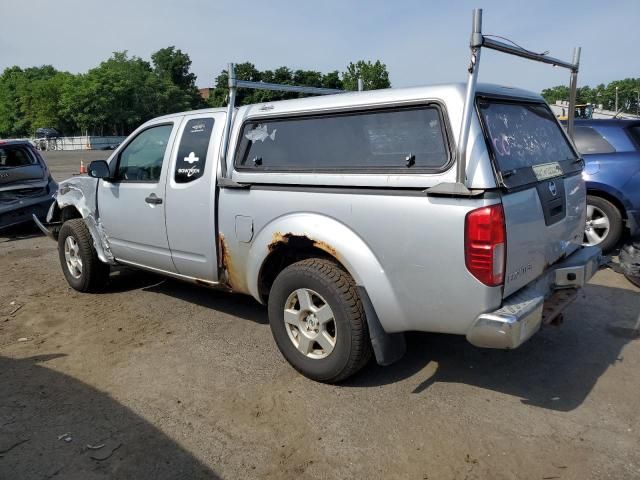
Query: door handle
[(153, 199)]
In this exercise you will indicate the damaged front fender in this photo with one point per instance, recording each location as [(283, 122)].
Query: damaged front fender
[(80, 194)]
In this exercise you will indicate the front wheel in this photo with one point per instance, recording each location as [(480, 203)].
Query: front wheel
[(604, 224), (318, 321), (80, 263)]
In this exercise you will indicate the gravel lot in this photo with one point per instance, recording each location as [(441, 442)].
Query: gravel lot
[(183, 382)]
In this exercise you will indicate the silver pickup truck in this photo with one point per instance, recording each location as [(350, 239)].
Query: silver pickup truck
[(347, 215)]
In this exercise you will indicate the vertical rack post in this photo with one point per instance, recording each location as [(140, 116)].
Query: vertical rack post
[(573, 86), (469, 100), (360, 84), (229, 121)]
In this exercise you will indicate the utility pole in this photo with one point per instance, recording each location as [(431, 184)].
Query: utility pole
[(616, 100), (638, 104)]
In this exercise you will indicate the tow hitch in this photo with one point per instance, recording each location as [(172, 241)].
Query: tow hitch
[(555, 305)]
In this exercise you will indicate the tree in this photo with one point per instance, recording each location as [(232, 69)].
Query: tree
[(605, 95), (244, 71), (173, 67), (115, 97), (374, 75), (10, 115), (46, 96), (27, 98), (122, 92)]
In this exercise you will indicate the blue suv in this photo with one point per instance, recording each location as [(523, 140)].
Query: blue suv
[(611, 151)]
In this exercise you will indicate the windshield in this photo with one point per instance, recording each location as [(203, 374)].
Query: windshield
[(523, 136)]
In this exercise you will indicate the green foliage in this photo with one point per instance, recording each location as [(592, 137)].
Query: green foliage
[(605, 95), (123, 92), (111, 99), (375, 76), (173, 67)]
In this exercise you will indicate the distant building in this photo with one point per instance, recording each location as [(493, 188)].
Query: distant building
[(561, 107), (205, 92)]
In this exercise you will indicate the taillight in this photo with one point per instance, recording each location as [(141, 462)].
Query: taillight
[(485, 244)]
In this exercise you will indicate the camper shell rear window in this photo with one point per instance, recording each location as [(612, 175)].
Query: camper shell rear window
[(526, 142)]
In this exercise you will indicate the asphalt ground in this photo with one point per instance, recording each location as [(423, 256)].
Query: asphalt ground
[(159, 379)]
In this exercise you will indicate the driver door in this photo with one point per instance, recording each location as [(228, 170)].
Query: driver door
[(132, 205)]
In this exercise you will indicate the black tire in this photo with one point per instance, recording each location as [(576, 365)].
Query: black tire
[(352, 348), (94, 274), (612, 238)]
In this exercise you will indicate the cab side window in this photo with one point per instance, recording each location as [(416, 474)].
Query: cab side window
[(141, 160)]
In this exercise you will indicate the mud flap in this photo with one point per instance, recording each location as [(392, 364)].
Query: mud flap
[(387, 347)]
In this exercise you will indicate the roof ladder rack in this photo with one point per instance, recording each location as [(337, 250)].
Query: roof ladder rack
[(478, 40), (234, 84)]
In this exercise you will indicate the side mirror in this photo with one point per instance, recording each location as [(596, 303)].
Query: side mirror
[(99, 169)]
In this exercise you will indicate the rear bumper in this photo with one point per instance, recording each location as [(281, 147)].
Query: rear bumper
[(19, 211), (522, 313)]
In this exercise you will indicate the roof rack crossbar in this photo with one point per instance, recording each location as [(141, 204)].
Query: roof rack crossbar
[(478, 40), (234, 84), (521, 52), (286, 88)]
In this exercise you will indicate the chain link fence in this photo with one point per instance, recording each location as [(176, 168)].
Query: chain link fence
[(77, 143)]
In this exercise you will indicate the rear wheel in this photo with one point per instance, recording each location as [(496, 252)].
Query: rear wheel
[(80, 263), (318, 321), (604, 223)]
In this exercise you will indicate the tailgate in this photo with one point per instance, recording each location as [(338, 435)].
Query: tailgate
[(544, 196), (542, 228), (10, 177)]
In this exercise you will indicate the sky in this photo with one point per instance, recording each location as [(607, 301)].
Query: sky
[(421, 42)]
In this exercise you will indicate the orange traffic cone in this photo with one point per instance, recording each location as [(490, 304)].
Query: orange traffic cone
[(83, 169)]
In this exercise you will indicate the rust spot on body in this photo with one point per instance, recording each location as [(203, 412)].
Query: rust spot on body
[(326, 247), (288, 248), (278, 240), (228, 275), (300, 241)]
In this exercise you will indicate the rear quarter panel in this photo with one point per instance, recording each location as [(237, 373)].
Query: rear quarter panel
[(407, 250)]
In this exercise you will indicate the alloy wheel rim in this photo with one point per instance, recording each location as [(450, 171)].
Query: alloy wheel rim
[(72, 257), (597, 227), (310, 323)]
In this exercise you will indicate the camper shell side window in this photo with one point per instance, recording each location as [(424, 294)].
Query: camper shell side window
[(401, 140)]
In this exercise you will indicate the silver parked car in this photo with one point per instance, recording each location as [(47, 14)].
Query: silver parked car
[(345, 214)]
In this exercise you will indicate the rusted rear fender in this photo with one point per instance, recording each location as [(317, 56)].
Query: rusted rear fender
[(340, 242)]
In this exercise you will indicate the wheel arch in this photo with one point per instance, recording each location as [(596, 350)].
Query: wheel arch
[(614, 200), (297, 236), (76, 198)]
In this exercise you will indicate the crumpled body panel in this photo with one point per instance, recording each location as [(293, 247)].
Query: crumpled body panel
[(80, 192)]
